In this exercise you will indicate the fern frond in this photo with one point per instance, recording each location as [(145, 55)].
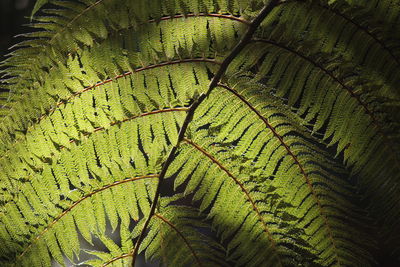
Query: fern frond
[(360, 132), (174, 228), (284, 157), (345, 36), (201, 132)]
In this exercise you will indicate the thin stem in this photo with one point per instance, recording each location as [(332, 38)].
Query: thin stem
[(214, 83), (76, 203), (170, 224), (123, 256), (202, 15), (297, 162), (161, 177)]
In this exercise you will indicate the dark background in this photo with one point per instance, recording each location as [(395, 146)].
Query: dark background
[(13, 15)]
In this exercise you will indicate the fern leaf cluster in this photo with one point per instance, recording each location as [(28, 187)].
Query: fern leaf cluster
[(202, 132)]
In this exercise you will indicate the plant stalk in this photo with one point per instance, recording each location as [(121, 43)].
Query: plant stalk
[(255, 23)]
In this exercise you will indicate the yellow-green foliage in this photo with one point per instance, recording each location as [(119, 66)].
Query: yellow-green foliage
[(117, 119)]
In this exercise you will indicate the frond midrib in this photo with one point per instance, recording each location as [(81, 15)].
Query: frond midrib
[(295, 159), (76, 203)]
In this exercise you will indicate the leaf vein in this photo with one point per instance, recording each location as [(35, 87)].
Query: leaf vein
[(65, 212)]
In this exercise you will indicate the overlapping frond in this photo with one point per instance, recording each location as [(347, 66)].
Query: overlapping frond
[(362, 41), (317, 84), (179, 236), (277, 156)]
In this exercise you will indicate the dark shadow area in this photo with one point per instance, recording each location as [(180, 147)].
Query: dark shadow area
[(13, 15)]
